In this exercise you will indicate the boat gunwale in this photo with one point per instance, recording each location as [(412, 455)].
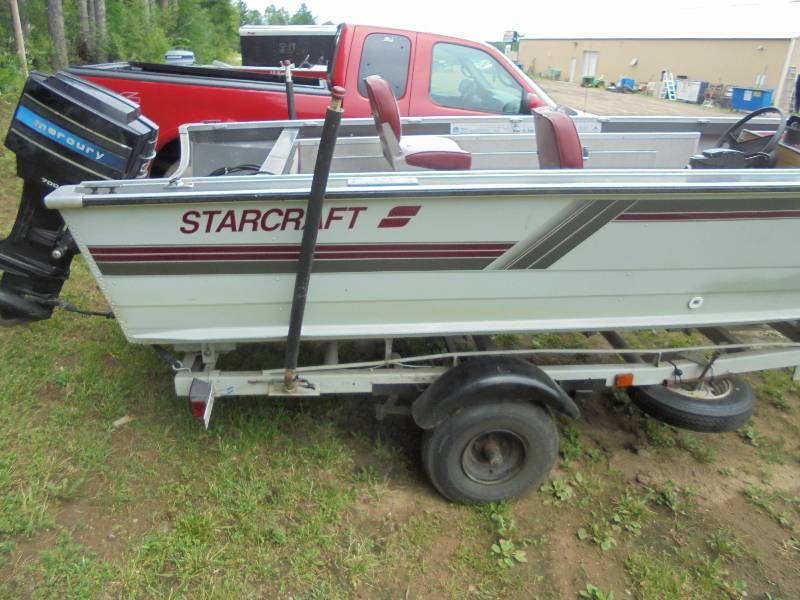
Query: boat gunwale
[(345, 185)]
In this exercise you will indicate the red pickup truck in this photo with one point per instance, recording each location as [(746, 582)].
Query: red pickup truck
[(432, 75)]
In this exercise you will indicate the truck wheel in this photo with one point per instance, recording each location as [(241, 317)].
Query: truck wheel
[(490, 452), (721, 404)]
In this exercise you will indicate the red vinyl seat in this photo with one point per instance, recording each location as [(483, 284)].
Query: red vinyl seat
[(425, 151), (558, 144)]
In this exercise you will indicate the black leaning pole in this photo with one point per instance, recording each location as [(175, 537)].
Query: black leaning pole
[(289, 89), (316, 197)]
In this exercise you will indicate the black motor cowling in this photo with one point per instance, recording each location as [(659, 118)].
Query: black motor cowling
[(65, 130)]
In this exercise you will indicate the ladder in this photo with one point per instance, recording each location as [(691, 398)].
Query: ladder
[(787, 102), (667, 90)]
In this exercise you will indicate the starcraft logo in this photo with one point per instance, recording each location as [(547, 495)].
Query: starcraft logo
[(399, 216)]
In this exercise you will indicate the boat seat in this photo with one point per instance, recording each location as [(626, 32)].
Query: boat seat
[(558, 144), (425, 151)]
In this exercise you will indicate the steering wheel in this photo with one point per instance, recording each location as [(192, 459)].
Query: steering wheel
[(468, 90), (760, 145)]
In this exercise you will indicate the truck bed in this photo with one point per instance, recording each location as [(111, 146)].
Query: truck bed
[(211, 76)]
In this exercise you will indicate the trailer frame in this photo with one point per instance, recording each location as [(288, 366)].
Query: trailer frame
[(386, 376)]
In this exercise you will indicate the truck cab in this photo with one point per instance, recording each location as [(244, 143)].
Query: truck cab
[(431, 74)]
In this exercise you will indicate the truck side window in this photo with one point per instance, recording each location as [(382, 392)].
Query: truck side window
[(388, 56), (468, 78)]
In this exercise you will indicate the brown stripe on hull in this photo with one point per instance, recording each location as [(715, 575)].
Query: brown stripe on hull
[(716, 205), (239, 259), (710, 215), (584, 221), (252, 267)]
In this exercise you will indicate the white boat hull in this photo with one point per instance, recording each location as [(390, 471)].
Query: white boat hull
[(444, 254)]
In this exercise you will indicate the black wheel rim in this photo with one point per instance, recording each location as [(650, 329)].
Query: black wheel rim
[(493, 457)]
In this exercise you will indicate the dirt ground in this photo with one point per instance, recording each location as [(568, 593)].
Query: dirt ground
[(602, 102)]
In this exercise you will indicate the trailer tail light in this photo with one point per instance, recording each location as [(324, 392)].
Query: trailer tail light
[(201, 400), (623, 380), (197, 408)]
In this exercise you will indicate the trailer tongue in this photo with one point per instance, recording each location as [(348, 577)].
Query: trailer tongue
[(65, 130)]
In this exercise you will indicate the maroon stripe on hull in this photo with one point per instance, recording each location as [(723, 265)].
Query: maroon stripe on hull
[(290, 252), (290, 256), (711, 216), (295, 248)]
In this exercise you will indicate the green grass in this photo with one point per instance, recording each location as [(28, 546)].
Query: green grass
[(674, 575), (781, 507)]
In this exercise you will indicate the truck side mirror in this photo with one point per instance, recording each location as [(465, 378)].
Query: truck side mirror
[(529, 102)]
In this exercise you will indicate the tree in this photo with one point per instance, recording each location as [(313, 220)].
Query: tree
[(61, 31), (86, 45), (55, 25), (101, 28), (248, 16), (23, 17), (280, 16), (303, 16), (276, 16), (19, 39), (92, 42)]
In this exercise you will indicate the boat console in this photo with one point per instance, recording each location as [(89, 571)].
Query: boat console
[(735, 151)]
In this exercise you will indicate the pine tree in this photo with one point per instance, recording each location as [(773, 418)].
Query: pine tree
[(53, 32), (101, 28), (19, 39), (276, 16), (303, 16), (55, 22), (86, 46)]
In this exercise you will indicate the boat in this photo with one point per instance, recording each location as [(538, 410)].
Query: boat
[(417, 252), (432, 252), (424, 235)]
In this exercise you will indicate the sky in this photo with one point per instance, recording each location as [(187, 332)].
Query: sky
[(486, 21)]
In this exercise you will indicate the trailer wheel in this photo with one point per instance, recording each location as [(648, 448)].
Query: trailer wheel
[(721, 404), (490, 452)]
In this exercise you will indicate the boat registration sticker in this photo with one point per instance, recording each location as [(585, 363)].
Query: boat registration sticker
[(515, 126)]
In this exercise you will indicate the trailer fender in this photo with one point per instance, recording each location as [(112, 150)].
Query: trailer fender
[(486, 380)]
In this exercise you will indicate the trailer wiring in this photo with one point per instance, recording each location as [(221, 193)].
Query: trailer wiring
[(66, 305)]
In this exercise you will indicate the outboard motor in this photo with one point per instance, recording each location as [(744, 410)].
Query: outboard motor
[(65, 130)]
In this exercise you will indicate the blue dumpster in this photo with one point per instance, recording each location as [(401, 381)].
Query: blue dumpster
[(750, 99), (627, 82)]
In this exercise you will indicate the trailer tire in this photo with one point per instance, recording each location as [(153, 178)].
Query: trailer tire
[(724, 404), (456, 453)]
